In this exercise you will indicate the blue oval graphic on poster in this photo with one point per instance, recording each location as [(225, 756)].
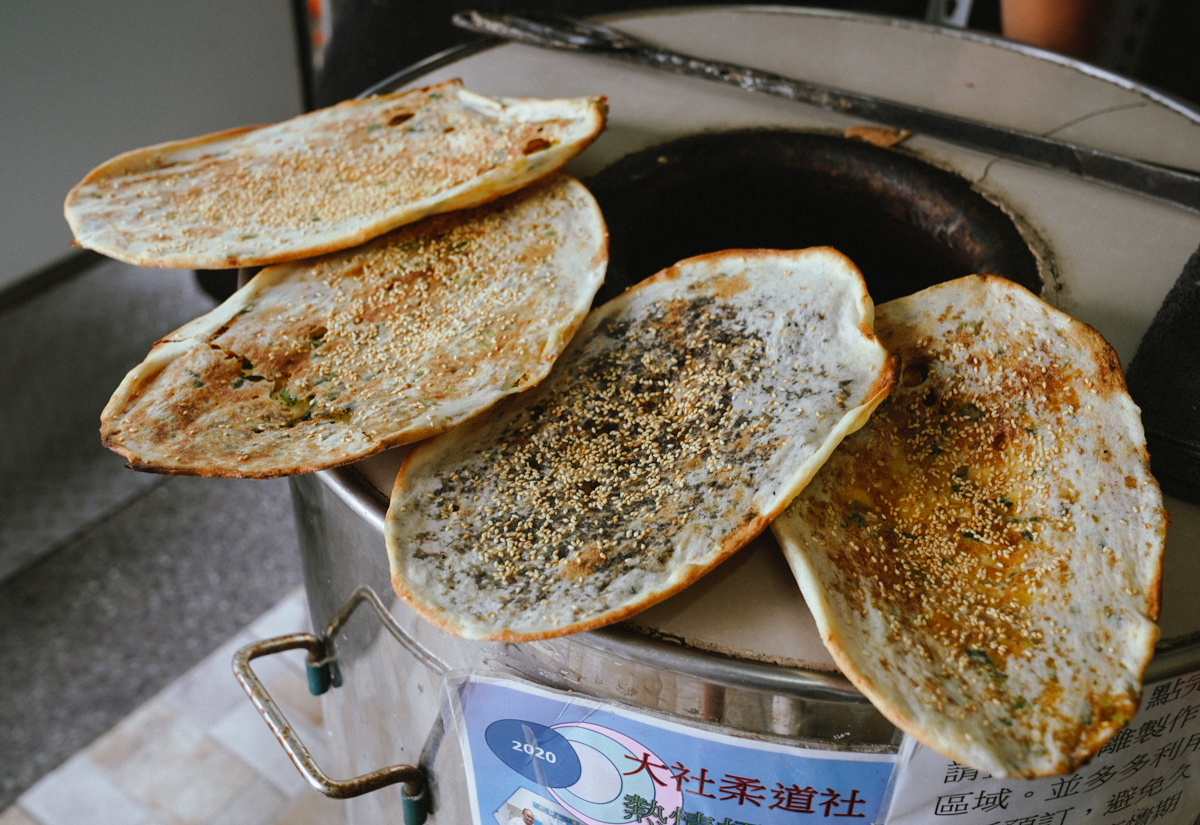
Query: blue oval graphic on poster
[(534, 751)]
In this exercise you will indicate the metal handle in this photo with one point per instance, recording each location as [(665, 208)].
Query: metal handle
[(366, 595), (415, 792)]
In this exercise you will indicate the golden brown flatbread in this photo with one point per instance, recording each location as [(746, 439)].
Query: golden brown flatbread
[(324, 361), (983, 558), (324, 181), (682, 418)]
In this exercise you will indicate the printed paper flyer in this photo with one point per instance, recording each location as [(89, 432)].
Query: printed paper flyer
[(1148, 774), (541, 757)]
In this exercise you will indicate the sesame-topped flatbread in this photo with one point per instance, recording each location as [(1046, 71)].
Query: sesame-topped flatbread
[(983, 557), (682, 418), (324, 361), (323, 181)]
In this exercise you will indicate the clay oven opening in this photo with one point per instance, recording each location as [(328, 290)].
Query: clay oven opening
[(906, 224)]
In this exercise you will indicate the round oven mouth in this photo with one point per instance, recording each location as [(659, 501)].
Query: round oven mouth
[(906, 224)]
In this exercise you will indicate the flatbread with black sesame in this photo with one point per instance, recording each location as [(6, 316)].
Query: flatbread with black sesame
[(323, 181), (324, 361), (682, 418), (983, 558)]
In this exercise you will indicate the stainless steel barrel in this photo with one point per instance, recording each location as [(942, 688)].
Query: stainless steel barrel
[(712, 657)]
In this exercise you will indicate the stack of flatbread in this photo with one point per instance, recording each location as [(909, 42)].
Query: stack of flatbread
[(983, 557), (327, 359)]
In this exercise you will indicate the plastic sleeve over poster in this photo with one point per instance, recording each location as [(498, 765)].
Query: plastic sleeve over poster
[(1147, 774), (535, 756)]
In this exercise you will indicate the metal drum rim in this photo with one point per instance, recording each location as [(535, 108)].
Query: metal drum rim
[(455, 53), (357, 492), (363, 498)]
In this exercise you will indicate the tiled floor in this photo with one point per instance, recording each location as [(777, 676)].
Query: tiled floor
[(112, 583), (197, 753), (110, 618), (56, 478)]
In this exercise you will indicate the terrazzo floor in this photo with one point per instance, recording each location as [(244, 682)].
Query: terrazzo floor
[(115, 584), (197, 752)]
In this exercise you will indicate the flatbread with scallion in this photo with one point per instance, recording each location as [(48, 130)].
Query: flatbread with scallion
[(323, 181), (983, 558), (682, 418), (324, 361)]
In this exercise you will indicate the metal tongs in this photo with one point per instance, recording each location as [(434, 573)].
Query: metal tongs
[(1175, 186)]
